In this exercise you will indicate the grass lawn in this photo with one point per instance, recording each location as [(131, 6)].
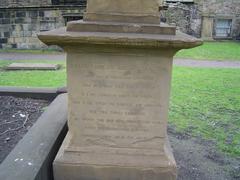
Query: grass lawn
[(32, 51), (33, 78), (204, 102), (228, 51), (213, 51)]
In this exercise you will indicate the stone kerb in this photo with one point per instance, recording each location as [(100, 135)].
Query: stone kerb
[(32, 158)]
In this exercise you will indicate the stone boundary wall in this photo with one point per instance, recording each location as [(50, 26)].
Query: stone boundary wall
[(187, 17), (199, 18), (17, 3), (19, 26), (21, 20)]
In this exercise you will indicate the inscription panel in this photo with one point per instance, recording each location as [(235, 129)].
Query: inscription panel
[(116, 102)]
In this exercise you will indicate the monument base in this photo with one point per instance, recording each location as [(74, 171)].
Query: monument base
[(129, 164), (119, 67), (122, 18)]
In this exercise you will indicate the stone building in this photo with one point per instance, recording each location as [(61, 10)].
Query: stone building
[(208, 19), (21, 20)]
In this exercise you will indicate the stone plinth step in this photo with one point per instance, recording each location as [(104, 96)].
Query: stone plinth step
[(32, 66), (89, 26)]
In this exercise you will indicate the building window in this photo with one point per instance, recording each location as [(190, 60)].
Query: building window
[(223, 28), (72, 17), (69, 2), (179, 1)]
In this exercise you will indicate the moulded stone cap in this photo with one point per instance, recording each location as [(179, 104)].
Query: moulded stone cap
[(63, 38)]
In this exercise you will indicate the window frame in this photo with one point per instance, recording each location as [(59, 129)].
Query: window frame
[(219, 18)]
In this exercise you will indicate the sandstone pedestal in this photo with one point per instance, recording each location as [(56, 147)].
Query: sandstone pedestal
[(123, 11), (118, 79)]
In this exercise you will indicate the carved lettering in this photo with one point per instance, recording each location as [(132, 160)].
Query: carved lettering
[(117, 105)]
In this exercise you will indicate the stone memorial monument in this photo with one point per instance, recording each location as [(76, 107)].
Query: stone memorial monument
[(119, 65)]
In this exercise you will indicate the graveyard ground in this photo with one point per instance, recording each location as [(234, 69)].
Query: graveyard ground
[(197, 159), (218, 51), (17, 115), (204, 119), (33, 78), (213, 51), (205, 102)]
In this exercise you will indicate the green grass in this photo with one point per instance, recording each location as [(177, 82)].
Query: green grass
[(32, 51), (228, 51), (213, 51), (33, 78), (204, 102)]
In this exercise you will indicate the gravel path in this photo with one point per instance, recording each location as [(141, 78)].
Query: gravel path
[(205, 63), (177, 62), (32, 56), (198, 159)]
